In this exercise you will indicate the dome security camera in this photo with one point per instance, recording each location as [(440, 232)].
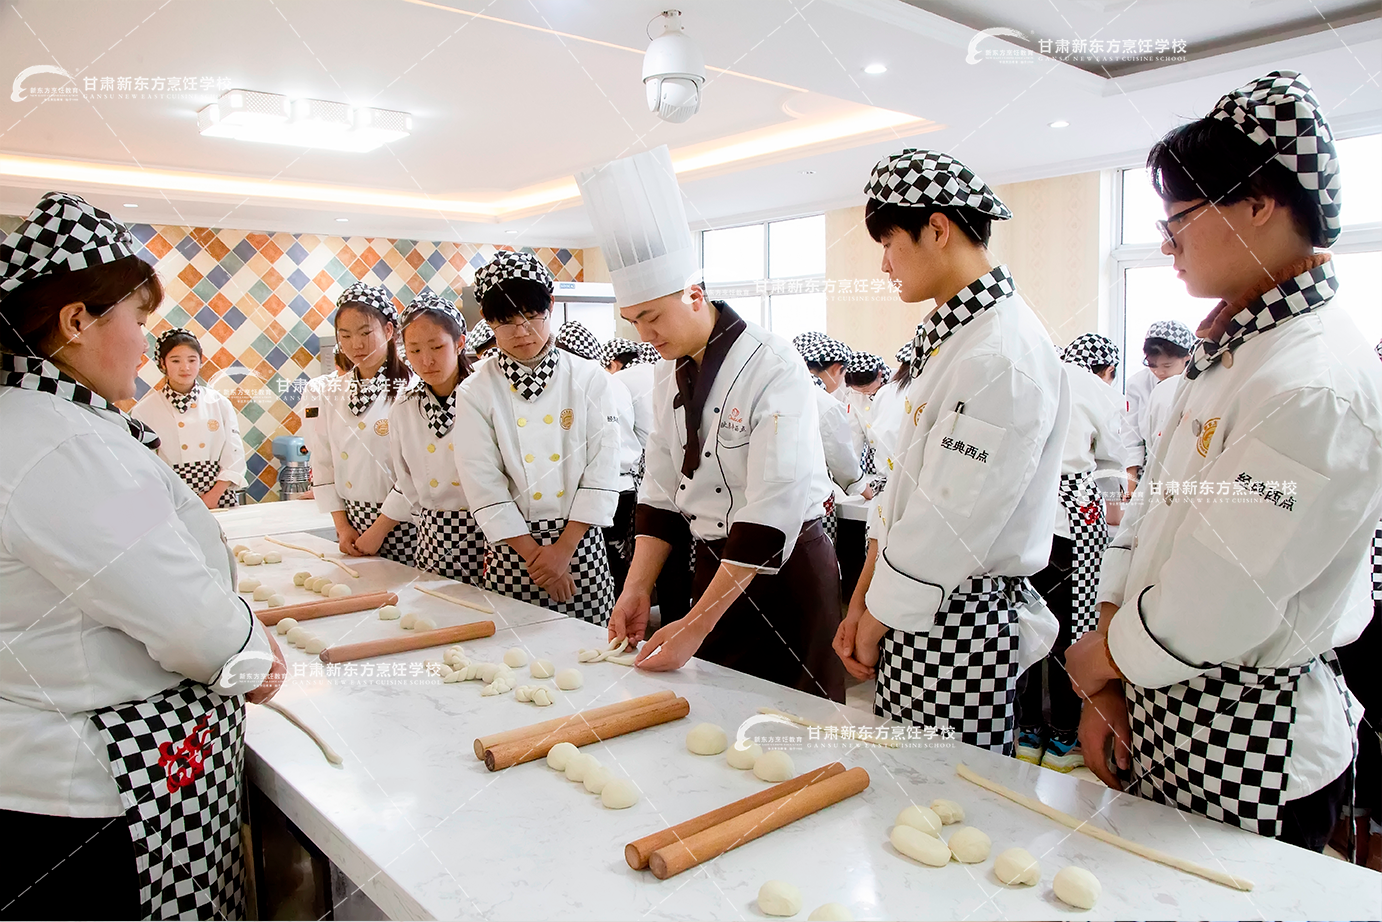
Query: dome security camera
[(673, 72)]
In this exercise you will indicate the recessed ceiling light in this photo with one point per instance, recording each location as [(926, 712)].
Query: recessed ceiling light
[(342, 220), (808, 172), (131, 205), (270, 118), (876, 69), (1060, 123), (510, 231)]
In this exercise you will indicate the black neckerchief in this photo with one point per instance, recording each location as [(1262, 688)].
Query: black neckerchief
[(35, 374), (695, 381), (181, 402)]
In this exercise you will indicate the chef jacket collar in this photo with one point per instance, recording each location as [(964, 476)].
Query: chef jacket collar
[(695, 381)]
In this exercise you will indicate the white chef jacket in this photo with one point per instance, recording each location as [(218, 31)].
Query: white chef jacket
[(882, 422), (995, 384), (1137, 389), (208, 431), (630, 448), (761, 474), (1201, 583), (1156, 410), (842, 453), (117, 584), (424, 465), (350, 454), (1094, 443), (555, 457), (639, 380)]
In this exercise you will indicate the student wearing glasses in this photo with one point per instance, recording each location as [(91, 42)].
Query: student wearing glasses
[(1165, 353)]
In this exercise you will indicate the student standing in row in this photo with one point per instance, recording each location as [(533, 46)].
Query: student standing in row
[(348, 430), (481, 339), (1243, 559), (539, 461), (825, 359), (865, 376), (967, 514), (198, 431), (1165, 353)]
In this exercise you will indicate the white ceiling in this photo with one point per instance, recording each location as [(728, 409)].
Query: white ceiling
[(501, 109)]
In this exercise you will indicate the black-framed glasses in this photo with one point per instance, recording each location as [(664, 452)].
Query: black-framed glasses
[(529, 319), (1165, 225)]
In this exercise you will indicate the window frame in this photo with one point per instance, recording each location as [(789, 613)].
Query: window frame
[(763, 288)]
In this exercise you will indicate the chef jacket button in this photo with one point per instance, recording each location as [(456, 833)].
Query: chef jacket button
[(431, 449), (455, 483), (683, 487), (362, 425), (547, 419), (1228, 359), (1197, 426), (184, 448), (556, 457), (181, 425), (348, 484), (201, 444), (717, 409), (344, 456), (528, 458), (450, 446), (707, 454), (561, 493), (434, 481), (1170, 498), (693, 518), (522, 421), (537, 495), (512, 388)]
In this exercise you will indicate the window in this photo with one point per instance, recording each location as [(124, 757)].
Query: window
[(772, 273), (596, 316)]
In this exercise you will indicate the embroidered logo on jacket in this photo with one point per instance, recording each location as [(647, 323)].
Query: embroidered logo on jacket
[(969, 451), (1206, 435), (186, 762), (381, 427), (213, 424), (1278, 493), (568, 417)]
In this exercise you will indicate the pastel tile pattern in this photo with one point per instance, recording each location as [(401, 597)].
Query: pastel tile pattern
[(258, 302)]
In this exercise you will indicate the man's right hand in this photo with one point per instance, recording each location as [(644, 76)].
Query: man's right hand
[(1105, 715), (274, 680), (630, 616)]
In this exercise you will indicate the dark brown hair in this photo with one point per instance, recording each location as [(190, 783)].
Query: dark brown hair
[(181, 338), (29, 314), (449, 326), (395, 369), (342, 361)]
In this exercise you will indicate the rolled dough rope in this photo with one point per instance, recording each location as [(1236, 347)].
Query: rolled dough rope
[(1083, 826), (487, 609), (308, 550), (331, 754), (803, 722)]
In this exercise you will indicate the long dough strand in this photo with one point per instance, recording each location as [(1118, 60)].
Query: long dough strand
[(308, 550)]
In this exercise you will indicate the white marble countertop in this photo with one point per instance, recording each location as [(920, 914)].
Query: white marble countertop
[(271, 518), (427, 832)]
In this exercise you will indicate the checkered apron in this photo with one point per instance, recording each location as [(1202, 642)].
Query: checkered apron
[(506, 574), (1219, 744), (831, 521), (1377, 565), (399, 543), (450, 544), (201, 476), (963, 672), (177, 759), (1084, 510)]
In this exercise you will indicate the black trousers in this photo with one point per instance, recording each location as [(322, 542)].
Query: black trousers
[(619, 539), (1359, 661), (62, 867), (1053, 582), (1307, 821), (673, 587), (782, 627)]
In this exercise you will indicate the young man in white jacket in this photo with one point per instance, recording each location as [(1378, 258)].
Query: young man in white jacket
[(1243, 560)]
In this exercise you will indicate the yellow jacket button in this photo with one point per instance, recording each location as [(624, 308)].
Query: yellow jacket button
[(431, 448), (344, 456), (455, 483), (547, 419), (561, 493), (522, 422), (556, 457), (184, 448), (362, 425), (537, 495), (348, 484), (181, 425), (434, 481), (450, 446), (201, 445), (528, 458)]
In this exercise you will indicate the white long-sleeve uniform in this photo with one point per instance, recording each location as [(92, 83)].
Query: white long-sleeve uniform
[(630, 447), (555, 457), (842, 452), (1218, 579), (350, 454), (117, 584), (974, 487), (1139, 387), (639, 379), (208, 431), (1156, 410), (1094, 443), (424, 465)]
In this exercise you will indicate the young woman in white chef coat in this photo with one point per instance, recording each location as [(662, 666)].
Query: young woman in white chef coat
[(127, 655), (539, 450), (348, 431), (198, 431), (1165, 353), (422, 445), (1242, 561), (865, 377), (825, 359)]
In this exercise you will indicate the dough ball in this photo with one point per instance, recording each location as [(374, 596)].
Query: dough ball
[(970, 845), (275, 600), (490, 690), (316, 583), (543, 697), (424, 624), (541, 669), (569, 679), (559, 754), (743, 759), (830, 912), (286, 625), (314, 645), (301, 577), (251, 559), (779, 898), (922, 818), (262, 592), (619, 794), (296, 633), (707, 740), (406, 621), (339, 590), (324, 586), (239, 549), (389, 613), (248, 584), (1077, 887), (949, 811), (273, 557), (578, 765), (515, 658), (1017, 866), (524, 693), (918, 846), (596, 778), (774, 766)]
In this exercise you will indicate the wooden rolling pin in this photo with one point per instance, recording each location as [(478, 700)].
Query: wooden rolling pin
[(672, 859), (638, 853), (420, 640), (538, 731), (516, 752), (306, 611)]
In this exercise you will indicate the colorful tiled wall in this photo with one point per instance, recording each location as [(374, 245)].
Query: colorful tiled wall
[(258, 302)]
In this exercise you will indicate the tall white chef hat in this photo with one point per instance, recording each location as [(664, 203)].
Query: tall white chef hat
[(640, 224)]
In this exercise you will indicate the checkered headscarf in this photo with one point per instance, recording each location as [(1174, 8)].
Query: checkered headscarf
[(821, 349), (576, 339), (865, 363), (430, 301), (975, 298), (375, 296), (508, 264), (1280, 113), (1090, 349), (1173, 332), (481, 333), (62, 234), (928, 178)]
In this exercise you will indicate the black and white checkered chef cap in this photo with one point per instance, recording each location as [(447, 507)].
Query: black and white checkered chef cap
[(375, 296), (508, 264), (616, 347), (821, 349), (576, 339), (927, 178), (1172, 331), (865, 363), (1279, 112), (1089, 350), (481, 333), (62, 234), (431, 301)]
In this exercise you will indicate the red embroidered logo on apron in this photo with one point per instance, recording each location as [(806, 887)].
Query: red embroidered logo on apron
[(187, 761), (1090, 511)]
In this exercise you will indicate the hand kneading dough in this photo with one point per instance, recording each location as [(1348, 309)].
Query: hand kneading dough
[(1017, 866), (419, 624), (830, 912), (339, 590), (578, 765), (515, 658), (569, 679), (314, 645), (596, 778), (774, 766), (560, 754), (301, 577), (619, 794), (918, 846), (286, 625), (970, 845), (262, 592), (249, 584), (251, 559), (273, 557), (779, 898), (389, 613), (949, 811), (707, 740), (541, 669), (922, 818), (743, 759), (406, 621), (275, 600), (1077, 887)]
